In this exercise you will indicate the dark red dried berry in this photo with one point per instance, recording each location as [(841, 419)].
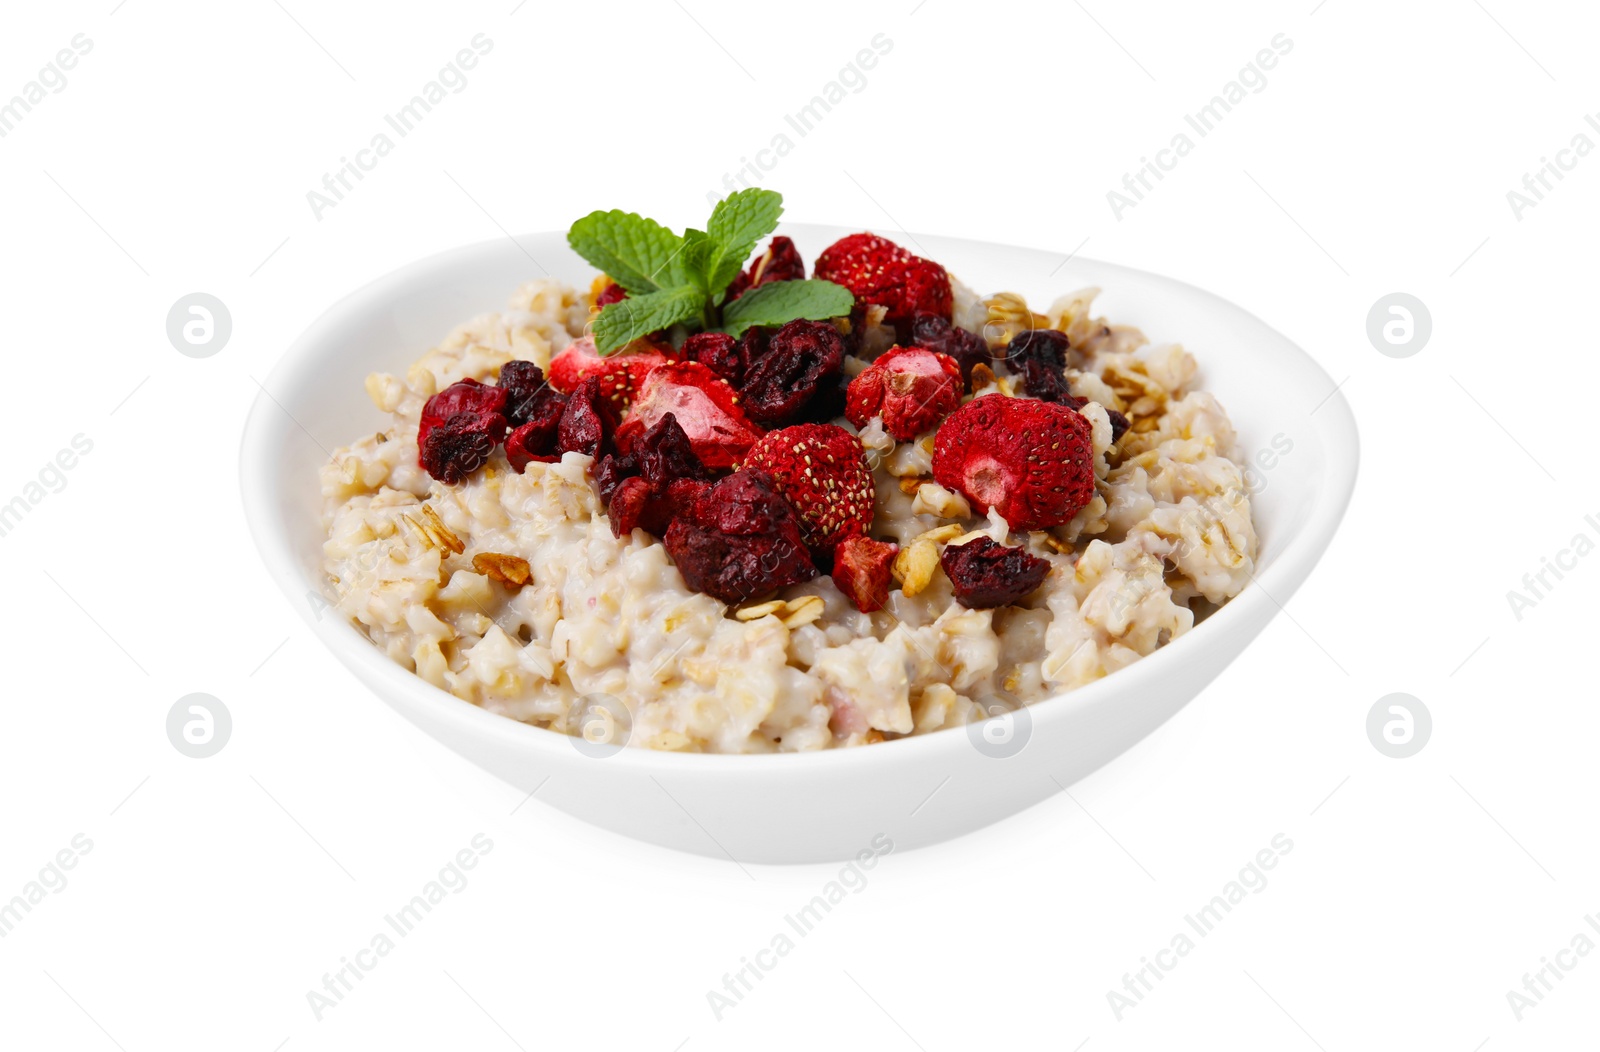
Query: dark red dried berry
[(719, 352), (780, 262), (935, 332), (642, 487), (985, 575), (587, 422), (460, 445), (612, 293), (537, 438), (463, 396), (739, 539), (528, 395), (1119, 425), (1040, 356), (799, 360)]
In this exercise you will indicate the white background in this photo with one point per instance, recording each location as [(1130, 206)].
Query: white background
[(1377, 159)]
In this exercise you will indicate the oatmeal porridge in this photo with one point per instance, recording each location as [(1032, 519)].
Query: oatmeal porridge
[(709, 507)]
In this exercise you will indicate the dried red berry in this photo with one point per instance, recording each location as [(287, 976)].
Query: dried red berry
[(799, 360), (985, 575), (912, 388), (528, 396), (705, 406), (612, 293), (1033, 461), (719, 352), (879, 271), (620, 374), (587, 422), (459, 446), (538, 438), (937, 334), (642, 488), (463, 396), (780, 262), (862, 571), (1040, 356), (1119, 425), (822, 472), (739, 539)]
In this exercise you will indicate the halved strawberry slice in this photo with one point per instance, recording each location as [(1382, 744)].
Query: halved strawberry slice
[(620, 374), (705, 406), (879, 271)]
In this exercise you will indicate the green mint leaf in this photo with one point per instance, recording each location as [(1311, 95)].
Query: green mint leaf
[(739, 221), (699, 255), (783, 301), (639, 254), (626, 320)]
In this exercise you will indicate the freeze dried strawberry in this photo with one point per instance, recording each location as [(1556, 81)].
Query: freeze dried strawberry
[(1039, 356), (912, 388), (620, 374), (1033, 461), (587, 422), (705, 406), (985, 575), (785, 374), (463, 396), (822, 472), (739, 539), (780, 262), (457, 447), (879, 271), (528, 395), (936, 333), (720, 353), (862, 571)]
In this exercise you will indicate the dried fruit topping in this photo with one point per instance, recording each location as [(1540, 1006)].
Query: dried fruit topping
[(705, 406), (620, 374), (780, 262), (537, 439), (1119, 425), (912, 388), (719, 352), (1040, 356), (879, 271), (937, 334), (985, 575), (1032, 461), (456, 448), (862, 571), (651, 485), (739, 539), (463, 396), (799, 360), (822, 472), (528, 396), (587, 422), (612, 293)]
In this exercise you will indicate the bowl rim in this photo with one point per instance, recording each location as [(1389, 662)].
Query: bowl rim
[(268, 528)]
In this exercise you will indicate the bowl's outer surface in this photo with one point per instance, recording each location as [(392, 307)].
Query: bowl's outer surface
[(823, 806)]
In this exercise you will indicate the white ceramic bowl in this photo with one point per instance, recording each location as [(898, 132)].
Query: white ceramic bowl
[(829, 805)]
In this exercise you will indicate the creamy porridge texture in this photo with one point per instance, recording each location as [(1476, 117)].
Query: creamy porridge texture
[(512, 589)]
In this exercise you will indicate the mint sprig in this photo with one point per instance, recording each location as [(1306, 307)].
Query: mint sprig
[(783, 301), (675, 279)]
